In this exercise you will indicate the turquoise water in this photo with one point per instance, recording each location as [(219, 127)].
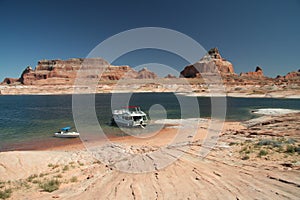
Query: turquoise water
[(32, 118)]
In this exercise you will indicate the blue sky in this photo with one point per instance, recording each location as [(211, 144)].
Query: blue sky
[(247, 33)]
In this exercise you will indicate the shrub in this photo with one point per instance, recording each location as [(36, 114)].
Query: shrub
[(265, 142), (53, 166), (43, 174), (243, 149), (290, 149), (97, 162), (291, 141), (31, 177), (74, 179), (5, 194), (246, 157), (66, 168), (262, 152), (277, 144), (297, 149), (50, 185), (36, 181), (247, 151), (2, 184), (22, 184), (232, 143)]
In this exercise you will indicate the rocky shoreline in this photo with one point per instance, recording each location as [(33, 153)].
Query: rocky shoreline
[(181, 89)]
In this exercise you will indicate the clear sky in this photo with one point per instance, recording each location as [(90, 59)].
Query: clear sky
[(247, 32)]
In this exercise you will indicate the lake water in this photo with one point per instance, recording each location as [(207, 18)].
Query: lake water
[(35, 118)]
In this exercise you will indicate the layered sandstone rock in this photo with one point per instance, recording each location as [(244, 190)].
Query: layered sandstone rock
[(257, 74), (64, 72), (212, 62), (146, 74), (10, 80), (293, 75), (170, 76), (59, 76), (118, 72)]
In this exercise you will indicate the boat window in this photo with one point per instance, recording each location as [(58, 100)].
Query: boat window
[(144, 118), (127, 118), (136, 118)]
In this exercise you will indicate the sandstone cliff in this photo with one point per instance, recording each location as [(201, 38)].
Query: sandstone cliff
[(58, 76), (170, 76), (64, 72), (257, 74), (10, 80), (212, 62), (146, 74), (293, 75)]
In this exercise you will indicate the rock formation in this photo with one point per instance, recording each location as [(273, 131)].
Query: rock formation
[(257, 74), (293, 75), (118, 72), (146, 74), (64, 72), (10, 80), (212, 62), (170, 76), (58, 76)]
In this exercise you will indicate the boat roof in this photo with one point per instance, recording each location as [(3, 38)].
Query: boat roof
[(66, 128)]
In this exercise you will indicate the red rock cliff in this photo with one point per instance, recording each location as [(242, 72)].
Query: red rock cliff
[(64, 72), (257, 74), (212, 62)]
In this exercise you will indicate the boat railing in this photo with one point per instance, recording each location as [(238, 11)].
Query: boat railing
[(136, 110)]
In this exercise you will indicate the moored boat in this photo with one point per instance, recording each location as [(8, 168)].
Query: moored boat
[(131, 116), (65, 133)]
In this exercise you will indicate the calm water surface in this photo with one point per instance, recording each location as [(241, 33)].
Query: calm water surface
[(33, 118)]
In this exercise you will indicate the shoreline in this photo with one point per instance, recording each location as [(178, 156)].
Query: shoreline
[(233, 95), (73, 144)]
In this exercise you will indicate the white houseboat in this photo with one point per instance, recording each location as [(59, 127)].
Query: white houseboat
[(130, 116)]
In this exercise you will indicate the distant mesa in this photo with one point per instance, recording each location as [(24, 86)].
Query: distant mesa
[(292, 75), (170, 76), (257, 74), (212, 62), (10, 80), (145, 74), (64, 72)]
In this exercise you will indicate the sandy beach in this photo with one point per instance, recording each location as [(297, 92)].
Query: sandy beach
[(257, 159)]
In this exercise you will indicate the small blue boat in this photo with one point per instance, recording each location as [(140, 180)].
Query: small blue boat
[(65, 133)]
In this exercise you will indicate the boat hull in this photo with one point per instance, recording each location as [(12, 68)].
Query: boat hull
[(67, 135), (128, 123)]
